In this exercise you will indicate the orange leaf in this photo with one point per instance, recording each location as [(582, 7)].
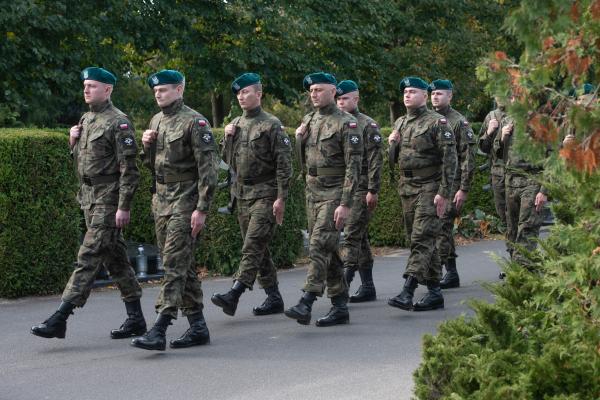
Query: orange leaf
[(548, 42), (575, 11), (500, 55), (544, 129), (595, 9)]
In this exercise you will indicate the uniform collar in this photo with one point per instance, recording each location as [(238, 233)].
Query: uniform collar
[(355, 112), (173, 108), (98, 108), (252, 113), (444, 110), (328, 109), (416, 112)]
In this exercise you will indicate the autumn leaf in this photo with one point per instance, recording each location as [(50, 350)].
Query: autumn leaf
[(500, 55), (544, 129), (595, 9), (548, 42), (575, 11)]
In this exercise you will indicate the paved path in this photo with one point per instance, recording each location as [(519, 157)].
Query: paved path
[(250, 357)]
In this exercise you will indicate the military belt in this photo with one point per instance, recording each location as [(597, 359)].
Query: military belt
[(327, 171), (421, 172), (96, 180), (186, 176), (257, 179)]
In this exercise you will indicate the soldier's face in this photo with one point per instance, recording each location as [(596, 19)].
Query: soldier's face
[(322, 94), (348, 102), (95, 92), (414, 98), (249, 97), (441, 98), (167, 94)]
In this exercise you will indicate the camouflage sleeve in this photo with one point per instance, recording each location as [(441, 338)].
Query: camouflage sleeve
[(126, 154), (205, 153), (374, 157), (485, 140), (447, 148), (498, 146), (282, 150), (353, 152), (466, 155), (145, 154)]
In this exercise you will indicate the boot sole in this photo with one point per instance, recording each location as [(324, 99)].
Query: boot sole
[(400, 306), (146, 347), (129, 335), (438, 306), (179, 346), (362, 300), (277, 311), (299, 319), (224, 306), (47, 335), (341, 322)]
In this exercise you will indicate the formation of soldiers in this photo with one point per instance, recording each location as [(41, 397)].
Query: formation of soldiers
[(340, 154)]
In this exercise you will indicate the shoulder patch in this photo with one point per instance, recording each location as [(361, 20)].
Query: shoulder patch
[(285, 140), (354, 138), (465, 123), (124, 126), (374, 125), (202, 122), (128, 141), (443, 121), (352, 125), (376, 138), (207, 137), (447, 134)]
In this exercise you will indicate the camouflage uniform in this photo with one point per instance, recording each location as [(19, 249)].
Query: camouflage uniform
[(105, 161), (486, 143), (465, 151), (333, 153), (183, 159), (522, 219), (356, 251), (427, 158), (260, 155)]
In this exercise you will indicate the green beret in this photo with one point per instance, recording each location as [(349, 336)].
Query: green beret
[(244, 80), (165, 77), (588, 88), (98, 74), (347, 86), (413, 81), (440, 84), (318, 77)]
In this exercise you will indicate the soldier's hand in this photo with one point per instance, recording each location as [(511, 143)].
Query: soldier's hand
[(301, 130), (278, 209), (149, 136), (394, 137), (372, 199), (540, 200), (122, 218), (230, 130), (74, 134), (507, 131), (340, 215), (440, 205), (492, 126), (459, 199), (197, 222)]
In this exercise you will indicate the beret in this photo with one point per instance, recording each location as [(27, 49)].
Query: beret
[(413, 81), (346, 86), (244, 80), (440, 84), (165, 77), (318, 77), (98, 74)]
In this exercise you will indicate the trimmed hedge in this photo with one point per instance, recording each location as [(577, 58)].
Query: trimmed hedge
[(39, 217)]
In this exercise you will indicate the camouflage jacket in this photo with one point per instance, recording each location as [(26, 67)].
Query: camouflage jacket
[(372, 161), (104, 158), (486, 142), (183, 159), (260, 155), (333, 155), (427, 154), (465, 148), (515, 163)]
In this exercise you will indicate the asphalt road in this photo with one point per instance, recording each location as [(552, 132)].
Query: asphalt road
[(250, 357)]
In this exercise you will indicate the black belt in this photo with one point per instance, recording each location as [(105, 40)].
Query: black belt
[(421, 172), (96, 180), (186, 176), (257, 179), (327, 171)]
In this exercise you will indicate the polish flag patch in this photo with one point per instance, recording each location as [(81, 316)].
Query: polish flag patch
[(124, 126), (201, 122), (443, 121), (373, 125), (352, 125)]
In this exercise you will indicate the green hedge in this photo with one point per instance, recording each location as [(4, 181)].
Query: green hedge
[(39, 217)]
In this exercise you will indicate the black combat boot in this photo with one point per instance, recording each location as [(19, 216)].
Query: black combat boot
[(366, 291), (349, 275), (301, 311), (405, 298), (196, 335), (134, 325), (56, 325), (273, 304), (229, 301), (338, 314), (451, 279), (432, 300), (155, 338)]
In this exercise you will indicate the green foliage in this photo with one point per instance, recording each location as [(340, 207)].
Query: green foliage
[(39, 218)]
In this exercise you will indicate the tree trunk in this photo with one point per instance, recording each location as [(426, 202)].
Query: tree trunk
[(395, 110), (216, 101)]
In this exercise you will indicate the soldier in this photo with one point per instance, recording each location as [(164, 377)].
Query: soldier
[(525, 197), (356, 251), (104, 150), (258, 151), (330, 145), (487, 134), (441, 97), (180, 151), (426, 152)]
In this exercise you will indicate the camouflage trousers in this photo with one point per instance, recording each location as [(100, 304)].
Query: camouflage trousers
[(325, 264), (257, 224), (103, 244), (446, 247), (355, 251), (523, 221), (499, 189), (181, 288), (422, 227)]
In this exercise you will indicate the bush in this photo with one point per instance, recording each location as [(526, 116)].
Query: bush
[(39, 217)]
